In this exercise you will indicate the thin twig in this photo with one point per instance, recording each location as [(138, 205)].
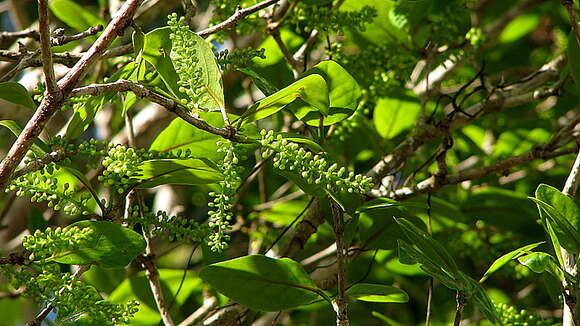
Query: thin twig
[(233, 19), (62, 40), (50, 104), (167, 103), (340, 303), (45, 48)]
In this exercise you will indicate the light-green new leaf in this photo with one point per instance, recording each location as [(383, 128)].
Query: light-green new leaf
[(312, 89), (15, 93), (501, 261), (176, 171)]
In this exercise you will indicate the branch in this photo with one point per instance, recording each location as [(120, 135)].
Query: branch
[(45, 48), (167, 103), (10, 37), (233, 19), (514, 96), (434, 183), (50, 104), (62, 40)]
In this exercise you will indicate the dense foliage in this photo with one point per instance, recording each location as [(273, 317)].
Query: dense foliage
[(291, 162)]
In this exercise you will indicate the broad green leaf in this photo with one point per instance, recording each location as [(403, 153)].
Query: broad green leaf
[(377, 293), (39, 147), (74, 15), (343, 94), (176, 171), (262, 283), (394, 115), (564, 204), (565, 232), (111, 245), (501, 261), (209, 74), (262, 83), (180, 135), (536, 261), (409, 255), (156, 50), (429, 247), (15, 93), (574, 57), (312, 89)]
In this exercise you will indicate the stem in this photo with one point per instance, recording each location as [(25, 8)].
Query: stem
[(340, 305), (460, 305), (569, 316), (46, 53)]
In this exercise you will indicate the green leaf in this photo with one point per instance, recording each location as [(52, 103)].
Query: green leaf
[(566, 234), (74, 15), (394, 115), (388, 321), (312, 89), (262, 283), (262, 83), (519, 27), (536, 261), (377, 293), (180, 135), (15, 93), (156, 50), (429, 247), (564, 204), (153, 173), (501, 261), (112, 245), (380, 203), (478, 294), (209, 72), (574, 57), (39, 147), (343, 94), (296, 138)]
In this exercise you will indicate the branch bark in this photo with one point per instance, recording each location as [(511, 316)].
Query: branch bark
[(50, 104)]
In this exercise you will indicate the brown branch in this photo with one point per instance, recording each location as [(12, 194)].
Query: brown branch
[(9, 37), (62, 40), (167, 103), (50, 104), (434, 183), (45, 48), (520, 93), (233, 19), (43, 161), (340, 304)]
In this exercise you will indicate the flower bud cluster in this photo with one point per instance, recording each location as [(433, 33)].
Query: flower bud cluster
[(186, 62), (314, 169), (509, 315), (121, 163), (42, 186), (52, 242), (328, 19), (172, 228), (220, 213), (239, 57)]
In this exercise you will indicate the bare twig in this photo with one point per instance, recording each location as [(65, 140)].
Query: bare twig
[(50, 104), (340, 303), (519, 94), (167, 103), (233, 19), (45, 48), (64, 39), (9, 37), (209, 303)]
